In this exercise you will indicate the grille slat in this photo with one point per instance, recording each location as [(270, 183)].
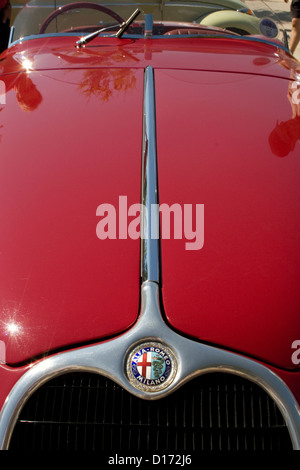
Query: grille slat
[(85, 411)]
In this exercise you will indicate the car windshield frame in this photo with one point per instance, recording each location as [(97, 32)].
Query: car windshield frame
[(30, 18)]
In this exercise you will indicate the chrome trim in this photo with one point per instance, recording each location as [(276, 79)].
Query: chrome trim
[(150, 211), (148, 25), (109, 359), (11, 35), (286, 40)]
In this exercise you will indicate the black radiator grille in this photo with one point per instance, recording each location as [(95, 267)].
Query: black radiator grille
[(83, 411)]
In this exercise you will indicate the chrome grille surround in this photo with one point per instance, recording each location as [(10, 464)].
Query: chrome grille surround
[(108, 359)]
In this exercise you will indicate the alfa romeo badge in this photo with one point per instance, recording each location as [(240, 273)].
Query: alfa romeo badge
[(151, 366)]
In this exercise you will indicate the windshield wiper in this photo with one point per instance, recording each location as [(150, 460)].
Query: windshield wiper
[(127, 23), (89, 37)]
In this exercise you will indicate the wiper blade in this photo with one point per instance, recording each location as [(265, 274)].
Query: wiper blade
[(127, 23), (89, 37)]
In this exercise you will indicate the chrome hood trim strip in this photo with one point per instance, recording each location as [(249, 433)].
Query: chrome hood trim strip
[(150, 213), (110, 358)]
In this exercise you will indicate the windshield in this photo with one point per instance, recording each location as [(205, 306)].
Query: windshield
[(170, 18)]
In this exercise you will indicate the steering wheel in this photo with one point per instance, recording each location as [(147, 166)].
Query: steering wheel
[(73, 6)]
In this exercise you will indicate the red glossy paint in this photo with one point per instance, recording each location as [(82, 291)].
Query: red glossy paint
[(77, 144), (64, 151), (241, 290), (218, 54)]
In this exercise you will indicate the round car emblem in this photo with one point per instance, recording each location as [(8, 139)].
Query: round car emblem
[(151, 366)]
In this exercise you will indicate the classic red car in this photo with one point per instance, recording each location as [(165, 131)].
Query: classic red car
[(149, 240)]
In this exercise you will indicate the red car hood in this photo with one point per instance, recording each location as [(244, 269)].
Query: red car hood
[(76, 144), (223, 143)]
